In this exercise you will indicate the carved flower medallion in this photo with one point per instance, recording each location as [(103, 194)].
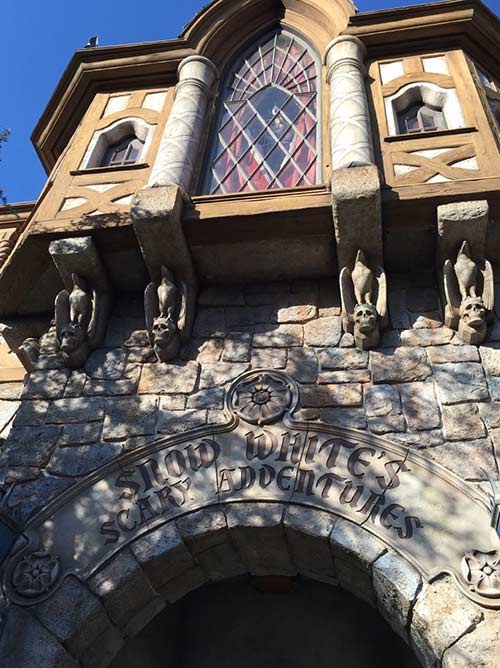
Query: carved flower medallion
[(262, 399), (35, 574), (482, 572)]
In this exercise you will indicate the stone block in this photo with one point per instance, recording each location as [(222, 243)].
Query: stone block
[(332, 395), (452, 353), (459, 222), (141, 355), (29, 446), (213, 398), (29, 413), (76, 383), (459, 383), (183, 584), (203, 351), (427, 337), (162, 554), (490, 357), (8, 410), (45, 384), (210, 322), (75, 616), (173, 402), (82, 409), (177, 422), (323, 332), (163, 378), (278, 336), (396, 584), (353, 418), (221, 296), (31, 496), (344, 360), (130, 416), (221, 373), (419, 439), (124, 589), (103, 650), (386, 424), (112, 388), (477, 649), (490, 414), (403, 365), (420, 407), (382, 400), (398, 312), (300, 313), (462, 422), (302, 365), (355, 545), (106, 364), (308, 532), (494, 387), (441, 616), (250, 316), (238, 347), (11, 391), (428, 320), (341, 377), (466, 458), (82, 459), (258, 533), (269, 358), (26, 643), (420, 299)]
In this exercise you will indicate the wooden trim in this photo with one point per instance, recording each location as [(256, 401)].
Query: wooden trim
[(410, 136), (108, 170), (12, 375)]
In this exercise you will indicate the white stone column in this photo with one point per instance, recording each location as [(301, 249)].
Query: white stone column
[(351, 140), (180, 145)]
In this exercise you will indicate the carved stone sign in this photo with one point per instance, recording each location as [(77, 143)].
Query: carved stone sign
[(436, 521)]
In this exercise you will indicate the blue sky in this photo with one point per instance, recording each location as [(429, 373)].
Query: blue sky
[(38, 40)]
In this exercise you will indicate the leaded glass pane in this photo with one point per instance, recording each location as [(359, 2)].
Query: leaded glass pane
[(267, 126)]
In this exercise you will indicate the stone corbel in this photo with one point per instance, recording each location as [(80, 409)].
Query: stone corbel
[(82, 308), (170, 298), (467, 285), (364, 302)]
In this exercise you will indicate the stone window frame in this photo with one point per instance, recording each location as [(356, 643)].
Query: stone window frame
[(103, 139)]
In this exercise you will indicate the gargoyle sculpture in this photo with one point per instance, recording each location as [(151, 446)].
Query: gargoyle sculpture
[(165, 309), (79, 319), (364, 302), (469, 294)]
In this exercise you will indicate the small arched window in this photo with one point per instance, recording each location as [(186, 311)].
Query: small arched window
[(421, 117), (267, 127), (126, 151)]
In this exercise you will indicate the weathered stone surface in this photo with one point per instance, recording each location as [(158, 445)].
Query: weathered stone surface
[(173, 402), (29, 446), (347, 341), (427, 337), (403, 365), (162, 554), (76, 383), (332, 395), (220, 373), (238, 347), (462, 422), (45, 384), (452, 353), (106, 364), (163, 378), (420, 439), (334, 358), (396, 585), (353, 418), (258, 532), (141, 355), (458, 383), (490, 414), (202, 350), (28, 413), (79, 434), (386, 424), (421, 299), (323, 332), (390, 339), (494, 387), (183, 584), (382, 400), (11, 391), (269, 358), (490, 357), (75, 410), (297, 313), (212, 397), (31, 496), (477, 649), (210, 322), (249, 316), (112, 388), (459, 221), (176, 422), (467, 459), (130, 416), (429, 320), (303, 365), (354, 544), (420, 406), (50, 362), (221, 296), (278, 336), (308, 534), (356, 376), (441, 601), (83, 459), (495, 437), (398, 312), (26, 643)]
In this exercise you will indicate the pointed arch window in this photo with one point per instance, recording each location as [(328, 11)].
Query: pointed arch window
[(267, 126)]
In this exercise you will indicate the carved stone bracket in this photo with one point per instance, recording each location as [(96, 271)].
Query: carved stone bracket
[(82, 308), (431, 518)]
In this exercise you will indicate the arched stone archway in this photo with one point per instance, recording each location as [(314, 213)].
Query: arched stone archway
[(87, 624)]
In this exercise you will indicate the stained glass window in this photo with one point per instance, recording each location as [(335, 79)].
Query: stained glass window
[(267, 130)]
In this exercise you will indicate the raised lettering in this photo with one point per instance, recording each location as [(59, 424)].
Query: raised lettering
[(121, 520)]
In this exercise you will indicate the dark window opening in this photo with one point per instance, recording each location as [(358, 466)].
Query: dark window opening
[(421, 117), (123, 152)]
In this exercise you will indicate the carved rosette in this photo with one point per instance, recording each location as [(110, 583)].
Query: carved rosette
[(481, 571), (262, 399), (35, 575)]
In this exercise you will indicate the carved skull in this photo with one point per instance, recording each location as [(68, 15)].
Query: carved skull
[(164, 329), (365, 318), (473, 312), (72, 337)]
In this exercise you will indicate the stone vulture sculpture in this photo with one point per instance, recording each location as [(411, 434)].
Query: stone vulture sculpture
[(364, 302), (469, 295), (165, 309), (80, 318)]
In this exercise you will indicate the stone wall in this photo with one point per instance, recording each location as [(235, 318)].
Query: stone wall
[(422, 387)]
